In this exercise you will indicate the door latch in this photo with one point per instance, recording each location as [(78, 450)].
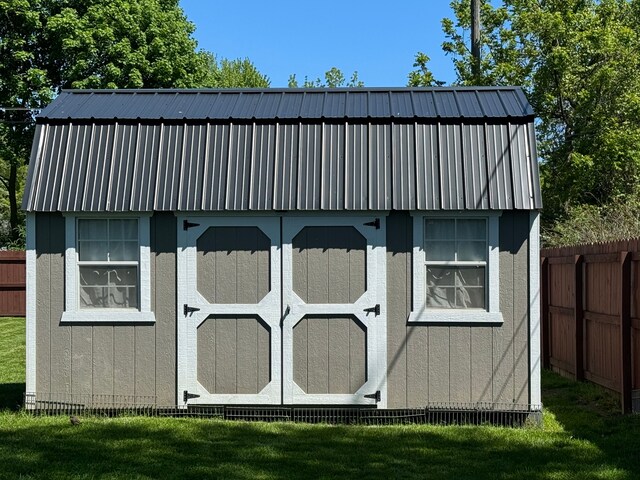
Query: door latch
[(375, 310), (189, 310)]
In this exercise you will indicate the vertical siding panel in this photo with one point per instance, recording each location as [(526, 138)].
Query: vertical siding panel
[(481, 364), (246, 264), (357, 264), (379, 187), (503, 384), (301, 354), (460, 358), (226, 343), (439, 364), (338, 353), (226, 285), (206, 352), (60, 335), (103, 360), (521, 309), (417, 366), (300, 254), (264, 357), (318, 267), (318, 348), (145, 358), (263, 265), (398, 258), (338, 274), (81, 380), (357, 356), (124, 360), (247, 355), (43, 303), (164, 245)]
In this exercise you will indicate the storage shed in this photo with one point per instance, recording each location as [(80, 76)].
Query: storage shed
[(284, 247)]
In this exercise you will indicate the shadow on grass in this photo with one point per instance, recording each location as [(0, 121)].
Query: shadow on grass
[(11, 396), (189, 448), (591, 413)]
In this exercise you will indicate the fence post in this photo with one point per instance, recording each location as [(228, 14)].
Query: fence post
[(578, 317), (625, 331), (545, 321)]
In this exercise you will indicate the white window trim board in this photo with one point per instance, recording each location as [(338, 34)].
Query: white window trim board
[(420, 313), (72, 312), (535, 359), (31, 345)]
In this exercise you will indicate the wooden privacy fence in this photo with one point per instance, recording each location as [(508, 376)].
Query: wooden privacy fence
[(590, 305), (12, 284)]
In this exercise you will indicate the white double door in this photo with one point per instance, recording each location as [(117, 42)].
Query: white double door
[(281, 310)]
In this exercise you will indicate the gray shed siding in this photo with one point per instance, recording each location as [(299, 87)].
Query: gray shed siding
[(75, 361), (459, 364)]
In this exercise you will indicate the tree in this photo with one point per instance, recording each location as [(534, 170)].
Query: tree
[(579, 62), (235, 73), (333, 78), (48, 45), (422, 77)]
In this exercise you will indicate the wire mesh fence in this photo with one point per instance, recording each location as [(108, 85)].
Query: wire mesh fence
[(446, 413)]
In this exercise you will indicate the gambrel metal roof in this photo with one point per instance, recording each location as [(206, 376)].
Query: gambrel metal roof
[(285, 149)]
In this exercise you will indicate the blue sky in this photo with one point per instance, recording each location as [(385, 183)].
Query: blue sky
[(378, 39)]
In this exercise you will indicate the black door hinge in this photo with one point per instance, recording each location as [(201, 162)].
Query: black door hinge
[(375, 396), (187, 224), (375, 309), (189, 310), (375, 223), (186, 396)]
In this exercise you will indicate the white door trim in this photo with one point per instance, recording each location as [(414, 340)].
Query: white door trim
[(269, 310), (375, 325)]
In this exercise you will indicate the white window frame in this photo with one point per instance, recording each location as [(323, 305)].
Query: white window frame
[(72, 311), (421, 313)]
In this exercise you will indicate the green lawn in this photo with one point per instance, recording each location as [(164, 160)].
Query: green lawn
[(583, 437)]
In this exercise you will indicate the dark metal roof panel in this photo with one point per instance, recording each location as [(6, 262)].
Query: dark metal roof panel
[(408, 103), (356, 161), (474, 165), (401, 105), (427, 167), (451, 172), (403, 167), (332, 164), (356, 105)]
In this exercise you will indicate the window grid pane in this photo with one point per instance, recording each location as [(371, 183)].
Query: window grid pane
[(108, 257), (456, 252)]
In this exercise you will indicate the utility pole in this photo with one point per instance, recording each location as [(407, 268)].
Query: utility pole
[(475, 39)]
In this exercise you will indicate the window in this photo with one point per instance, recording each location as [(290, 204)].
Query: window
[(107, 269), (455, 268)]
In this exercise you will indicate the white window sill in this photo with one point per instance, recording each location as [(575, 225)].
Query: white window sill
[(108, 316), (456, 316)]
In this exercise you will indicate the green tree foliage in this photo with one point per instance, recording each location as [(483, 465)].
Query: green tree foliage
[(422, 76), (579, 61), (333, 78), (235, 73), (48, 45)]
